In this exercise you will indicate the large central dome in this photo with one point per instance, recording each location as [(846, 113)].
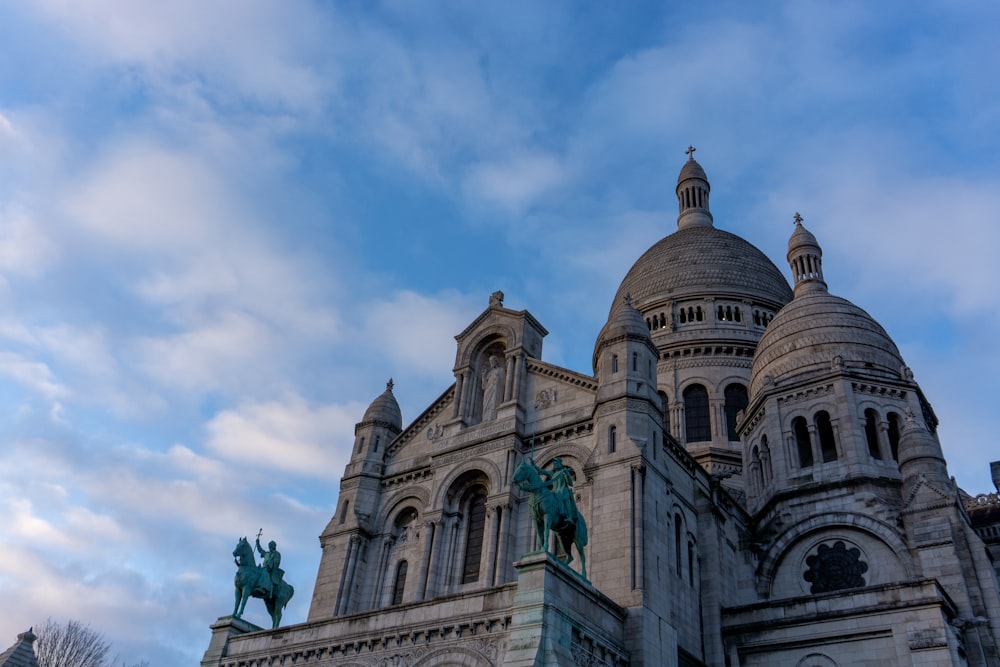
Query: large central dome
[(700, 260)]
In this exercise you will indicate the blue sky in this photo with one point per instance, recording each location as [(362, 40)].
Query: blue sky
[(224, 226)]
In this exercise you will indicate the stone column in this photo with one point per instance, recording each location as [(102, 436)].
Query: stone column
[(352, 575), (508, 390), (493, 522), (459, 384), (503, 549), (518, 366), (342, 590), (458, 559), (383, 566), (426, 560)]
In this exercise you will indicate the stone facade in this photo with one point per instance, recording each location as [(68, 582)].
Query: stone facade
[(759, 473)]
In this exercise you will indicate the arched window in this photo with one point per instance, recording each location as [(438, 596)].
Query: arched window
[(614, 363), (802, 443), (361, 445), (697, 424), (635, 362), (720, 314), (698, 314), (827, 444), (736, 314), (400, 583), (476, 528), (871, 433), (683, 316), (736, 400), (894, 429), (612, 439)]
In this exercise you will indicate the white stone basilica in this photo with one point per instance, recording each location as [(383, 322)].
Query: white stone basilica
[(758, 470)]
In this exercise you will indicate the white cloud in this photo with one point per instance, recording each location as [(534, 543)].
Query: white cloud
[(35, 375), (291, 435), (518, 181), (418, 331), (254, 49)]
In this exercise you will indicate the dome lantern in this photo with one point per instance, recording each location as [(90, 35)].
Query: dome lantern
[(806, 259), (692, 195)]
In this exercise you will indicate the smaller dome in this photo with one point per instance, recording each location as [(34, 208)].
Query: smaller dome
[(801, 237), (691, 169), (385, 409), (818, 332), (624, 321)]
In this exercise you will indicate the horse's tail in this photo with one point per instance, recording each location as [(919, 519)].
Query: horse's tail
[(291, 592), (581, 529)]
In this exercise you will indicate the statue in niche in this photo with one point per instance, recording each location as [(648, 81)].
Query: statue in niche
[(492, 381)]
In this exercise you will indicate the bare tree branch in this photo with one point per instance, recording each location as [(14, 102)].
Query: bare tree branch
[(74, 644)]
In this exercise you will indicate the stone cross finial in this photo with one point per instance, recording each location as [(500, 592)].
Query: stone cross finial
[(690, 152), (798, 218), (389, 385), (496, 299)]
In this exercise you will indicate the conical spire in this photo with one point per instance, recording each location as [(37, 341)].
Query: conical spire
[(692, 195), (806, 259)]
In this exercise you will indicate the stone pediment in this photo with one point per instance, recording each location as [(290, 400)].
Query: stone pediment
[(926, 495), (428, 427)]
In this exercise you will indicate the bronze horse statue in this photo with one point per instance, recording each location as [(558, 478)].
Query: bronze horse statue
[(253, 581), (550, 514)]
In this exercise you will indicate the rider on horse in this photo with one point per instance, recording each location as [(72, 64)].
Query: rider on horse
[(270, 560), (560, 480)]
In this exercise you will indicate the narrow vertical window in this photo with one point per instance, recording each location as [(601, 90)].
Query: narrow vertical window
[(827, 443), (614, 363), (476, 526), (677, 544), (361, 445), (612, 439), (894, 422), (400, 583), (697, 422), (871, 433), (802, 443), (736, 400), (378, 439), (690, 563), (343, 512), (635, 362)]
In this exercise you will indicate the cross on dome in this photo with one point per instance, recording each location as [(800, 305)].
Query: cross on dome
[(798, 218), (690, 152)]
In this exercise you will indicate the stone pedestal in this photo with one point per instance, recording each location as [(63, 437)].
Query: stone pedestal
[(560, 619), (222, 630)]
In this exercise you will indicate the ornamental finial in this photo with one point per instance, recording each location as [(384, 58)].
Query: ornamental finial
[(798, 218), (690, 152), (389, 385)]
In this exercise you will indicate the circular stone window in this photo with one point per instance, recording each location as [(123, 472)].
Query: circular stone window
[(834, 568)]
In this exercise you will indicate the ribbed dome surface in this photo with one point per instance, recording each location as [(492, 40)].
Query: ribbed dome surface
[(691, 169), (385, 409), (626, 320), (699, 260), (808, 333)]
